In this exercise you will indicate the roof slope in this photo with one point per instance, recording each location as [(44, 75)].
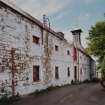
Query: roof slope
[(28, 16), (34, 20)]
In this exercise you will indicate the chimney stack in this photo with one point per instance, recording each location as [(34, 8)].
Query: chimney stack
[(46, 21), (77, 38)]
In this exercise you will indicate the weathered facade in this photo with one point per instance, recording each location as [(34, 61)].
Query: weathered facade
[(34, 57)]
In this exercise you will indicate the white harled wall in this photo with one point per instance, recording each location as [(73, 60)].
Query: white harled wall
[(62, 61), (16, 32), (84, 67)]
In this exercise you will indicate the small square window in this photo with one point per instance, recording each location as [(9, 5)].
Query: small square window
[(56, 48), (35, 39)]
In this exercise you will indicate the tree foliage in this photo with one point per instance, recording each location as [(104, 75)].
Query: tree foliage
[(96, 44)]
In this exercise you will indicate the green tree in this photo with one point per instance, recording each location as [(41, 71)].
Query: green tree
[(96, 44)]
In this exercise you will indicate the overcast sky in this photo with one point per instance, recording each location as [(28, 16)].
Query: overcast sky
[(65, 15)]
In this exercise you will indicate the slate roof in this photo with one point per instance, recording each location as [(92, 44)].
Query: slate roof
[(14, 8)]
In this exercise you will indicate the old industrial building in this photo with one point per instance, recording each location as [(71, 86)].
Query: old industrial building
[(34, 57)]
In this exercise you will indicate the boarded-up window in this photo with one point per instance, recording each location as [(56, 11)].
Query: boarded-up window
[(56, 48), (68, 71), (35, 73), (35, 39), (56, 72)]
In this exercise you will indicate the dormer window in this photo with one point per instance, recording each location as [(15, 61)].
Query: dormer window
[(35, 39)]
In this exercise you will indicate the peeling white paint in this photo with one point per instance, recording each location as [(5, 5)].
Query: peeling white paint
[(16, 32)]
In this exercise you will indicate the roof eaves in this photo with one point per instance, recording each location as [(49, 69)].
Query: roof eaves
[(28, 16)]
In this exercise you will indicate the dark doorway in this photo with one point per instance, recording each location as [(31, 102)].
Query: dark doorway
[(75, 73), (36, 74)]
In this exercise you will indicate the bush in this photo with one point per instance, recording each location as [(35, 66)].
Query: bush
[(86, 81), (72, 82), (5, 100), (103, 83), (95, 80)]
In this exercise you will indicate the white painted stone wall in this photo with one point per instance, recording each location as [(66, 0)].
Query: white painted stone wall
[(84, 64), (16, 32), (62, 61)]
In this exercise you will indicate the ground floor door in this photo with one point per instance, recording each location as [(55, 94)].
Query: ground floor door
[(75, 73)]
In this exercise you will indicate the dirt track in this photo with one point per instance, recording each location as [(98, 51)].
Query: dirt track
[(85, 94)]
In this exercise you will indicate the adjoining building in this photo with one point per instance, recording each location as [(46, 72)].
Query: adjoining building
[(34, 57)]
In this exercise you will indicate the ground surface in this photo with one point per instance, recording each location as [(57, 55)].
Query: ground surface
[(85, 94)]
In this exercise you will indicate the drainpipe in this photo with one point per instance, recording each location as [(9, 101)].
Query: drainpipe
[(78, 64), (13, 70)]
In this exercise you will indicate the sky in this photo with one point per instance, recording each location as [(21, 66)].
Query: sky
[(66, 15)]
